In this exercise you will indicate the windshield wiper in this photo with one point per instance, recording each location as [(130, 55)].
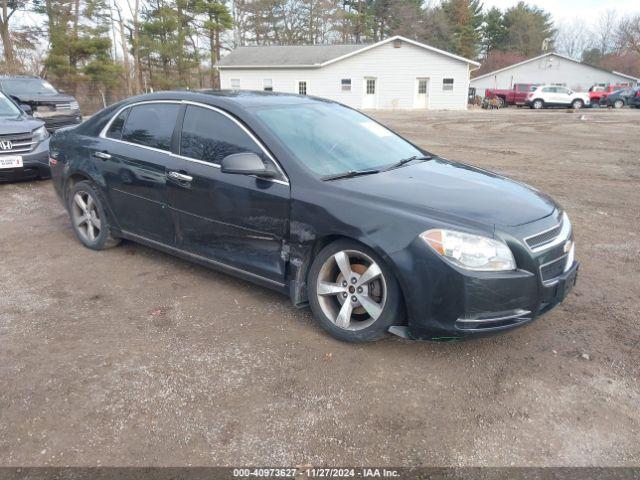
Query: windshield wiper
[(349, 174), (399, 163)]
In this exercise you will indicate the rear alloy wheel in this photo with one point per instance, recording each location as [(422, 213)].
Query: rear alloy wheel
[(538, 104), (88, 217), (577, 104), (352, 293), (618, 104)]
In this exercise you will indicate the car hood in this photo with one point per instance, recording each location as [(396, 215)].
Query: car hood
[(20, 124), (456, 190), (43, 98)]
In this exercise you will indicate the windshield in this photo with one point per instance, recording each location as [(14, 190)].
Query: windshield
[(8, 108), (330, 139), (27, 86)]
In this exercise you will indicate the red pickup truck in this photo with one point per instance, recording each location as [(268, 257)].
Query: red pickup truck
[(515, 96), (601, 90)]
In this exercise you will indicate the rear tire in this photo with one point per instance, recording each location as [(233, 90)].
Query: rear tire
[(352, 293), (89, 217)]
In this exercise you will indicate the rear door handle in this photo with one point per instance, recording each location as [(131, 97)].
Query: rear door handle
[(179, 176), (102, 155)]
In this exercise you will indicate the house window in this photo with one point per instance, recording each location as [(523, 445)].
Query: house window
[(371, 86), (422, 86), (267, 85), (235, 84), (345, 84), (302, 87), (447, 84)]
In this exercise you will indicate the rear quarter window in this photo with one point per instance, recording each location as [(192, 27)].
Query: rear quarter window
[(116, 127)]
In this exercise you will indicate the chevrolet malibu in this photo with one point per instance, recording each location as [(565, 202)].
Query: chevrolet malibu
[(320, 203)]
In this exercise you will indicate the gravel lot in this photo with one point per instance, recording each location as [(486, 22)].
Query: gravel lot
[(133, 357)]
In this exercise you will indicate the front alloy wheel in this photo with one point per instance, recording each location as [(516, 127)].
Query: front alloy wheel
[(538, 104), (618, 104), (352, 293)]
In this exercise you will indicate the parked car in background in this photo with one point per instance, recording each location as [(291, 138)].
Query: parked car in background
[(24, 143), (322, 203), (621, 98), (544, 96), (514, 96), (40, 99), (600, 91)]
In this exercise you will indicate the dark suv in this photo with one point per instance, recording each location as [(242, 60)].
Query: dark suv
[(39, 98)]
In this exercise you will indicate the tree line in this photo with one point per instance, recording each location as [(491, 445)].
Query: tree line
[(122, 47)]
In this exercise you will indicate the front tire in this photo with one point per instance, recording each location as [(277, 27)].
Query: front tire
[(89, 218), (537, 104), (353, 294), (618, 104)]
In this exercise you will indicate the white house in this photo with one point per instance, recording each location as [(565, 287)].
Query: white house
[(396, 73), (550, 68)]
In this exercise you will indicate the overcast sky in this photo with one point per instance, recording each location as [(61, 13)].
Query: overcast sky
[(567, 10)]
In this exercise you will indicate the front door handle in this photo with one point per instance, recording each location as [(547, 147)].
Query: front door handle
[(179, 176), (102, 155)]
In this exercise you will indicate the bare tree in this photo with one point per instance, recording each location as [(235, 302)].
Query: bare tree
[(572, 38), (629, 33), (9, 8), (605, 32), (125, 48)]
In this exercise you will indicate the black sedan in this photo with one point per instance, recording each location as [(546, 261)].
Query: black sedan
[(321, 203), (24, 144), (621, 98)]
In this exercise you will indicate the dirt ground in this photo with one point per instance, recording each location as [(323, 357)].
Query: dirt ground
[(133, 357)]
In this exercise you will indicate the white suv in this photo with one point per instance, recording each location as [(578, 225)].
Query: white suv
[(555, 96)]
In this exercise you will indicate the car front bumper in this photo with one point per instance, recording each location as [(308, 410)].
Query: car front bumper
[(34, 165), (445, 302)]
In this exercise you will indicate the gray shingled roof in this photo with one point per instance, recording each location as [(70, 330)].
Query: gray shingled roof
[(288, 55)]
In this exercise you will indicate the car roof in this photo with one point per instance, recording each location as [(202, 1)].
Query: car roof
[(237, 98)]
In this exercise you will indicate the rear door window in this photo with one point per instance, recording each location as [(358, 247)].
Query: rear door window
[(151, 125), (210, 136)]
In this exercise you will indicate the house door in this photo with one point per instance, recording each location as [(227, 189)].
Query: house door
[(370, 99), (422, 93)]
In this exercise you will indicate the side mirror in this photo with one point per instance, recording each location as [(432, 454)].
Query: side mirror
[(26, 109), (246, 164)]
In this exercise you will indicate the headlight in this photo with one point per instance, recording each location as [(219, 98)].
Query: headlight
[(74, 105), (473, 252), (40, 134)]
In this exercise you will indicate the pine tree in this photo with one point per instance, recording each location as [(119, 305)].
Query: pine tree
[(465, 19), (528, 28), (493, 31), (216, 19)]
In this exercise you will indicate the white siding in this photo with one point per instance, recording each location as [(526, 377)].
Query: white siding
[(549, 69), (396, 71)]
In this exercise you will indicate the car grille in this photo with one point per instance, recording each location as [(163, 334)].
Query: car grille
[(53, 123), (19, 143), (543, 238), (553, 269), (63, 106)]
